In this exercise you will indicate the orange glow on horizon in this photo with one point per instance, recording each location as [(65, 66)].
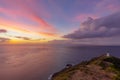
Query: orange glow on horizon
[(42, 36), (25, 42)]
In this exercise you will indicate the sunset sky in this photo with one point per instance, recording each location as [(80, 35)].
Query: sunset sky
[(79, 21)]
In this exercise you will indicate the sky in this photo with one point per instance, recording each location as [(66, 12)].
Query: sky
[(60, 21)]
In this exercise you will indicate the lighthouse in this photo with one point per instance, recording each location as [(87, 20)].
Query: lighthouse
[(108, 54)]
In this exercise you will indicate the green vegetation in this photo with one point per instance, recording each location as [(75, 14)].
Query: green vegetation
[(106, 67), (115, 67)]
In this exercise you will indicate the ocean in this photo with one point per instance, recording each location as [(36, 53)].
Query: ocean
[(38, 62)]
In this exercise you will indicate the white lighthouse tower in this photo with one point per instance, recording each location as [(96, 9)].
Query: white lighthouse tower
[(108, 54)]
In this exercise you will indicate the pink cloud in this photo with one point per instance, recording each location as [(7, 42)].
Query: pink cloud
[(3, 31), (82, 17), (23, 9), (107, 5), (7, 25), (104, 6), (113, 8)]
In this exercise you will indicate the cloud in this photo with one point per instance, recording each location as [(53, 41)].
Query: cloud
[(82, 17), (49, 34), (4, 39), (108, 26), (108, 5), (3, 31), (26, 9), (24, 38), (27, 38)]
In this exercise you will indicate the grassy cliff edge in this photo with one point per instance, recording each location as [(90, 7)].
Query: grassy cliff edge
[(99, 68)]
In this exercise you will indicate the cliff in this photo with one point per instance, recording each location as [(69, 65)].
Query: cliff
[(100, 68)]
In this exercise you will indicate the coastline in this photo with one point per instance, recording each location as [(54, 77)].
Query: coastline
[(102, 68)]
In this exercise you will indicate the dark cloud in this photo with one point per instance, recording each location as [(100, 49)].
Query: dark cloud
[(3, 31), (4, 39), (24, 38), (108, 26), (38, 39)]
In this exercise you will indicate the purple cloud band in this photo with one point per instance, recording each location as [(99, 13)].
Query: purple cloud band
[(24, 38), (4, 39), (108, 26), (3, 31)]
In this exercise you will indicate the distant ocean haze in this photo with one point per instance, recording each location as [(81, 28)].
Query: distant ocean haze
[(38, 62)]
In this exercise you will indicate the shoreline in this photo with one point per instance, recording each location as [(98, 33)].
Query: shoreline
[(100, 64)]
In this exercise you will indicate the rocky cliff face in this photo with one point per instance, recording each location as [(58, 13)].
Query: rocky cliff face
[(99, 68)]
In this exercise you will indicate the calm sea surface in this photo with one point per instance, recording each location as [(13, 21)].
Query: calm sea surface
[(37, 62)]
